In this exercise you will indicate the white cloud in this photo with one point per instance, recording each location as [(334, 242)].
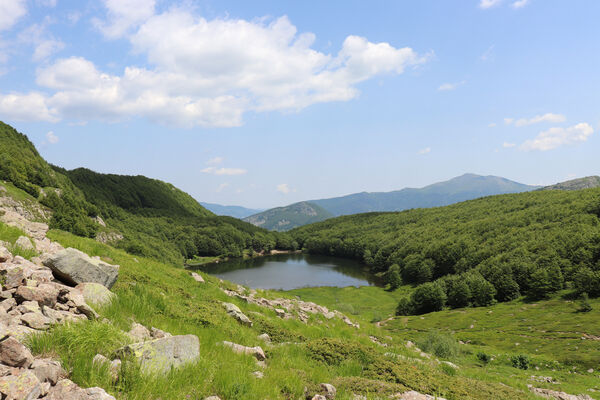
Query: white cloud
[(47, 3), (215, 161), (51, 138), (284, 188), (558, 136), (224, 171), (450, 86), (520, 3), (210, 72), (492, 125), (489, 3), (44, 43), (123, 16), (26, 107), (508, 145), (10, 12), (424, 151), (548, 117)]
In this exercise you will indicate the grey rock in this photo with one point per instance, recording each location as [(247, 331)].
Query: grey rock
[(139, 332), (236, 313), (36, 320), (45, 294), (160, 355), (21, 386), (74, 267), (67, 390), (197, 277), (265, 338), (25, 243), (412, 395), (158, 334), (256, 351), (48, 370), (95, 294), (5, 255), (328, 391)]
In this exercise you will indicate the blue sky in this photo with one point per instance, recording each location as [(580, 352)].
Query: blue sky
[(265, 103)]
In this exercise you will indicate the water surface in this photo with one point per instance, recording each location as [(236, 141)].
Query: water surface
[(293, 271)]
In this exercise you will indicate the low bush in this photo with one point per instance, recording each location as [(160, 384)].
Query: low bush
[(520, 361), (440, 344)]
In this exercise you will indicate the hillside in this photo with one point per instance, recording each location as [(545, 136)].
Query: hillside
[(141, 215), (576, 184), (289, 217), (480, 251), (230, 211), (465, 187)]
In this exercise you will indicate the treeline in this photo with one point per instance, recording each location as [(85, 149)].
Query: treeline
[(477, 252), (154, 218)]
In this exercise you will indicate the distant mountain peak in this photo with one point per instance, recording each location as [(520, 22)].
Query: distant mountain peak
[(587, 182)]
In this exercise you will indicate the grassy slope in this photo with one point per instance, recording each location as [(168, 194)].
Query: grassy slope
[(160, 295)]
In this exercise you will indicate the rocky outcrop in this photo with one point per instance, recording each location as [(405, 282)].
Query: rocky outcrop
[(74, 267), (288, 308), (236, 313), (160, 355), (553, 394), (197, 277)]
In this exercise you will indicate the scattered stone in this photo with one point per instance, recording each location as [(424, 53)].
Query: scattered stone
[(280, 312), (258, 374), (160, 355), (256, 351), (212, 398), (19, 332), (236, 313), (452, 365), (139, 332), (74, 267), (412, 395), (265, 338), (319, 397), (114, 366), (25, 243), (36, 320), (358, 397), (14, 354), (67, 390), (553, 394), (260, 364), (544, 379), (14, 276), (328, 391), (95, 294), (5, 255), (29, 307), (197, 277), (74, 298), (23, 385), (159, 334), (48, 370)]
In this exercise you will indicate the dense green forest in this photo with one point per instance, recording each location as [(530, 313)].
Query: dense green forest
[(143, 216), (477, 252)]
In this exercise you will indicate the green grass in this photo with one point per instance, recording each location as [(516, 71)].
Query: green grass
[(166, 297), (10, 234)]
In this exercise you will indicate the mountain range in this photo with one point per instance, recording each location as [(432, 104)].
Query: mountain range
[(231, 211), (461, 188)]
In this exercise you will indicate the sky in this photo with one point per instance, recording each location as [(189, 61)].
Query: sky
[(269, 102)]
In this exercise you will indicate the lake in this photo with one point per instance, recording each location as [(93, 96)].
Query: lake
[(293, 271)]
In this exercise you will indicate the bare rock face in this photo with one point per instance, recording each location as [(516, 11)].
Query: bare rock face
[(14, 354), (74, 267), (160, 355), (22, 386), (257, 351), (95, 293), (236, 313)]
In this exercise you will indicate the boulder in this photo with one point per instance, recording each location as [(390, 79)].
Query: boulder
[(48, 370), (197, 277), (19, 332), (74, 267), (37, 320), (74, 298), (67, 390), (554, 394), (160, 355), (114, 366), (25, 243), (22, 386), (158, 334), (236, 313), (45, 294), (5, 255), (256, 351), (265, 337), (95, 294), (14, 276), (139, 332), (328, 391), (14, 354), (29, 307)]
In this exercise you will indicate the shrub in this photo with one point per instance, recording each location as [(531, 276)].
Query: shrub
[(587, 281), (392, 277), (417, 269), (584, 304), (334, 351), (482, 292), (459, 293), (440, 344), (483, 357), (428, 297), (405, 307), (520, 361)]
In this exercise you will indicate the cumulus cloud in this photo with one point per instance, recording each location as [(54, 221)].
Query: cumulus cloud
[(548, 117), (51, 138), (520, 3), (485, 4), (424, 151), (210, 72), (450, 86), (283, 188), (26, 107), (44, 43), (123, 16), (558, 136), (224, 171), (10, 12)]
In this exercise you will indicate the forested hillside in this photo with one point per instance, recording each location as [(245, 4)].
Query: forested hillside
[(477, 252), (289, 217), (141, 215)]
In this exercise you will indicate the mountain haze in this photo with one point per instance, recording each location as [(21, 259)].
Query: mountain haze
[(231, 211), (464, 187)]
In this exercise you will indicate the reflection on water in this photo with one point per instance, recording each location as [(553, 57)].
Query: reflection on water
[(292, 271)]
